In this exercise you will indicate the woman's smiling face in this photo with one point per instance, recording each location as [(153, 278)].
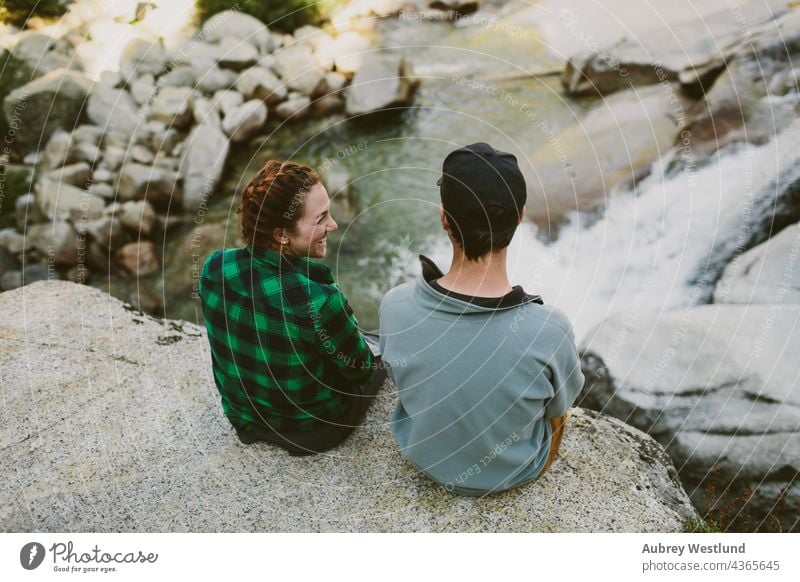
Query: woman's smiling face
[(309, 237)]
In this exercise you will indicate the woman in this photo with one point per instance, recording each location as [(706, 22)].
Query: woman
[(288, 359)]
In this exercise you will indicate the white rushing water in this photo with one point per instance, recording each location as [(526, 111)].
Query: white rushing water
[(649, 246)]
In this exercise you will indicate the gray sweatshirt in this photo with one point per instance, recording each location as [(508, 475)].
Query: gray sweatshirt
[(475, 384)]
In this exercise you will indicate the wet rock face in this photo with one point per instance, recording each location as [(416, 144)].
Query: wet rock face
[(717, 387), (608, 477)]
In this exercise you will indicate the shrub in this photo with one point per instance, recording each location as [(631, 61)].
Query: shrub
[(18, 11), (285, 16)]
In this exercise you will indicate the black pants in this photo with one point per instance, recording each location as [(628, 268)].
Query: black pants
[(321, 439)]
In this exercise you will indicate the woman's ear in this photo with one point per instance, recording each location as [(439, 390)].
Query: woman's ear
[(279, 236), (443, 220), (524, 214)]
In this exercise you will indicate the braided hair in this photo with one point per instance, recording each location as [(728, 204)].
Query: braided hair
[(274, 198)]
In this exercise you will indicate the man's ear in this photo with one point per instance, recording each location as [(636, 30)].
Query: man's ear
[(524, 214), (443, 220)]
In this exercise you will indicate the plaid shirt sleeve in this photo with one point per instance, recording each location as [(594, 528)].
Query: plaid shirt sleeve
[(340, 340)]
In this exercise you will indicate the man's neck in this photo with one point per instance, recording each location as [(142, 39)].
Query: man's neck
[(486, 277)]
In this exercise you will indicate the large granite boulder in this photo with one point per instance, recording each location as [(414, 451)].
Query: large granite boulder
[(755, 97), (691, 50), (39, 108), (718, 387), (382, 81), (76, 455), (611, 147), (768, 273)]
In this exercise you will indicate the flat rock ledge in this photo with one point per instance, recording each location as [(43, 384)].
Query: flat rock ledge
[(111, 423)]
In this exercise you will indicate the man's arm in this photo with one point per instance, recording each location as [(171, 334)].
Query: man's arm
[(341, 341), (566, 375)]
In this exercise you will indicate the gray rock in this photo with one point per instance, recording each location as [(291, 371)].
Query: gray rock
[(298, 68), (85, 152), (11, 240), (57, 200), (245, 121), (114, 156), (75, 174), (381, 82), (203, 111), (181, 76), (30, 274), (608, 477), (10, 280), (768, 273), (333, 82), (612, 147), (173, 106), (138, 258), (113, 109), (38, 52), (142, 155), (140, 57), (106, 232), (54, 101), (717, 385), (102, 175), (227, 100), (110, 79), (56, 241), (349, 51), (137, 216), (689, 46), (236, 54), (143, 89), (90, 134), (102, 190), (210, 78), (295, 107), (26, 211), (57, 150), (259, 83), (206, 150), (739, 106), (235, 24), (8, 262), (137, 182)]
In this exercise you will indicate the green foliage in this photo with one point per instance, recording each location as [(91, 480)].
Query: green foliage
[(285, 16), (700, 525), (14, 182), (18, 11), (13, 73)]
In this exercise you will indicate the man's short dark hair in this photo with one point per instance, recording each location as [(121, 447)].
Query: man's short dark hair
[(484, 232)]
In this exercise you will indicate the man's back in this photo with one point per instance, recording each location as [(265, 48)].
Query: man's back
[(476, 384)]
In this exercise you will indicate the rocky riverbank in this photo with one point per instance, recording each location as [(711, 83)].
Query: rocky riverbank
[(120, 430), (114, 162)]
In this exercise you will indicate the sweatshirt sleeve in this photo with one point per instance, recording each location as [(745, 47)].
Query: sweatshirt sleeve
[(566, 374), (341, 341)]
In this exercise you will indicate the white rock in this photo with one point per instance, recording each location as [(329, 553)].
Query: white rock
[(140, 57), (74, 174), (137, 182), (203, 111), (57, 200), (181, 76), (143, 88), (57, 241), (57, 150), (227, 100), (381, 82), (112, 109), (88, 134), (232, 23), (206, 150), (141, 154), (349, 51), (173, 106), (137, 216), (296, 107), (113, 156), (298, 68), (245, 121), (12, 241), (259, 83), (236, 54)]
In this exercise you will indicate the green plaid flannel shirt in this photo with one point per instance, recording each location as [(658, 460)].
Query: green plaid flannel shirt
[(285, 345)]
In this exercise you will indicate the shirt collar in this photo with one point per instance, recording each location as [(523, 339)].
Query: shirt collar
[(315, 271)]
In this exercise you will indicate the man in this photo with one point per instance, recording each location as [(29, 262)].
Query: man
[(488, 372)]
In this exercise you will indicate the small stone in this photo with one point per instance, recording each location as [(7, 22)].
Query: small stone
[(74, 174), (143, 89), (102, 175), (294, 108), (173, 106), (137, 182), (11, 240), (88, 134), (57, 200), (57, 241), (106, 231), (181, 76), (227, 100), (103, 190), (138, 216), (140, 57), (141, 154), (138, 258), (85, 152), (245, 121), (236, 54), (259, 83), (327, 105), (297, 66), (26, 211), (57, 150)]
